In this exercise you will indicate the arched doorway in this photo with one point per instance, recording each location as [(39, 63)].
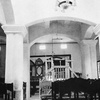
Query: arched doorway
[(59, 31)]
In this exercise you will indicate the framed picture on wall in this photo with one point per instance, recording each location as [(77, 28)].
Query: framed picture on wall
[(98, 68)]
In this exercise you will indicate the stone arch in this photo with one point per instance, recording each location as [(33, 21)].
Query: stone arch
[(44, 36), (57, 18), (61, 18), (7, 11)]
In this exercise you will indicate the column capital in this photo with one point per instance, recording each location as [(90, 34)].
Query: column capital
[(89, 42), (96, 29), (89, 32), (21, 29)]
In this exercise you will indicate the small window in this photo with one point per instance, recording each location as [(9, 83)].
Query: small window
[(57, 62), (49, 65), (62, 62)]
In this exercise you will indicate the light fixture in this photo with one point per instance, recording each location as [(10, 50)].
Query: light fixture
[(64, 4), (63, 46), (42, 47)]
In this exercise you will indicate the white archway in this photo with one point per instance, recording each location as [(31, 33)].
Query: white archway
[(50, 37), (61, 18), (47, 21)]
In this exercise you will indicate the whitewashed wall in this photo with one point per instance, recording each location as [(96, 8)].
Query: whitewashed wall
[(27, 11), (72, 49)]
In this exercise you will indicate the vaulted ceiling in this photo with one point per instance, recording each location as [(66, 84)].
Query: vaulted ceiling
[(59, 31)]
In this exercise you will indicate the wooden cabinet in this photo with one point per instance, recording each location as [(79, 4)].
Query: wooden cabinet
[(36, 73)]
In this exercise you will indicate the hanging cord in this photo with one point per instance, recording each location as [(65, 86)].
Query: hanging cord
[(52, 47)]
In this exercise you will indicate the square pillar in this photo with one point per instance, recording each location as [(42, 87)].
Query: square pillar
[(89, 59), (14, 57), (27, 69)]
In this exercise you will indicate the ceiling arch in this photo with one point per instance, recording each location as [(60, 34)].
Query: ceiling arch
[(61, 18), (8, 11), (52, 38)]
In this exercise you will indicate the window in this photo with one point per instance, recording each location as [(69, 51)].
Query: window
[(56, 62), (63, 62), (59, 62), (49, 65)]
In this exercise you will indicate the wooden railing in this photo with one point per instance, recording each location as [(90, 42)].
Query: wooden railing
[(53, 74), (45, 84), (59, 73), (45, 88)]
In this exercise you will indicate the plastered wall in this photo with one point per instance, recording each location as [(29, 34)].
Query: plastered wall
[(72, 49)]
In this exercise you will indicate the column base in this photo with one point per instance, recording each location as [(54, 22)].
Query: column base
[(19, 95)]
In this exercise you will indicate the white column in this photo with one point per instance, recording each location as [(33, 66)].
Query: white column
[(27, 69), (94, 59), (18, 65), (86, 73), (14, 57), (9, 58), (89, 61), (96, 31)]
